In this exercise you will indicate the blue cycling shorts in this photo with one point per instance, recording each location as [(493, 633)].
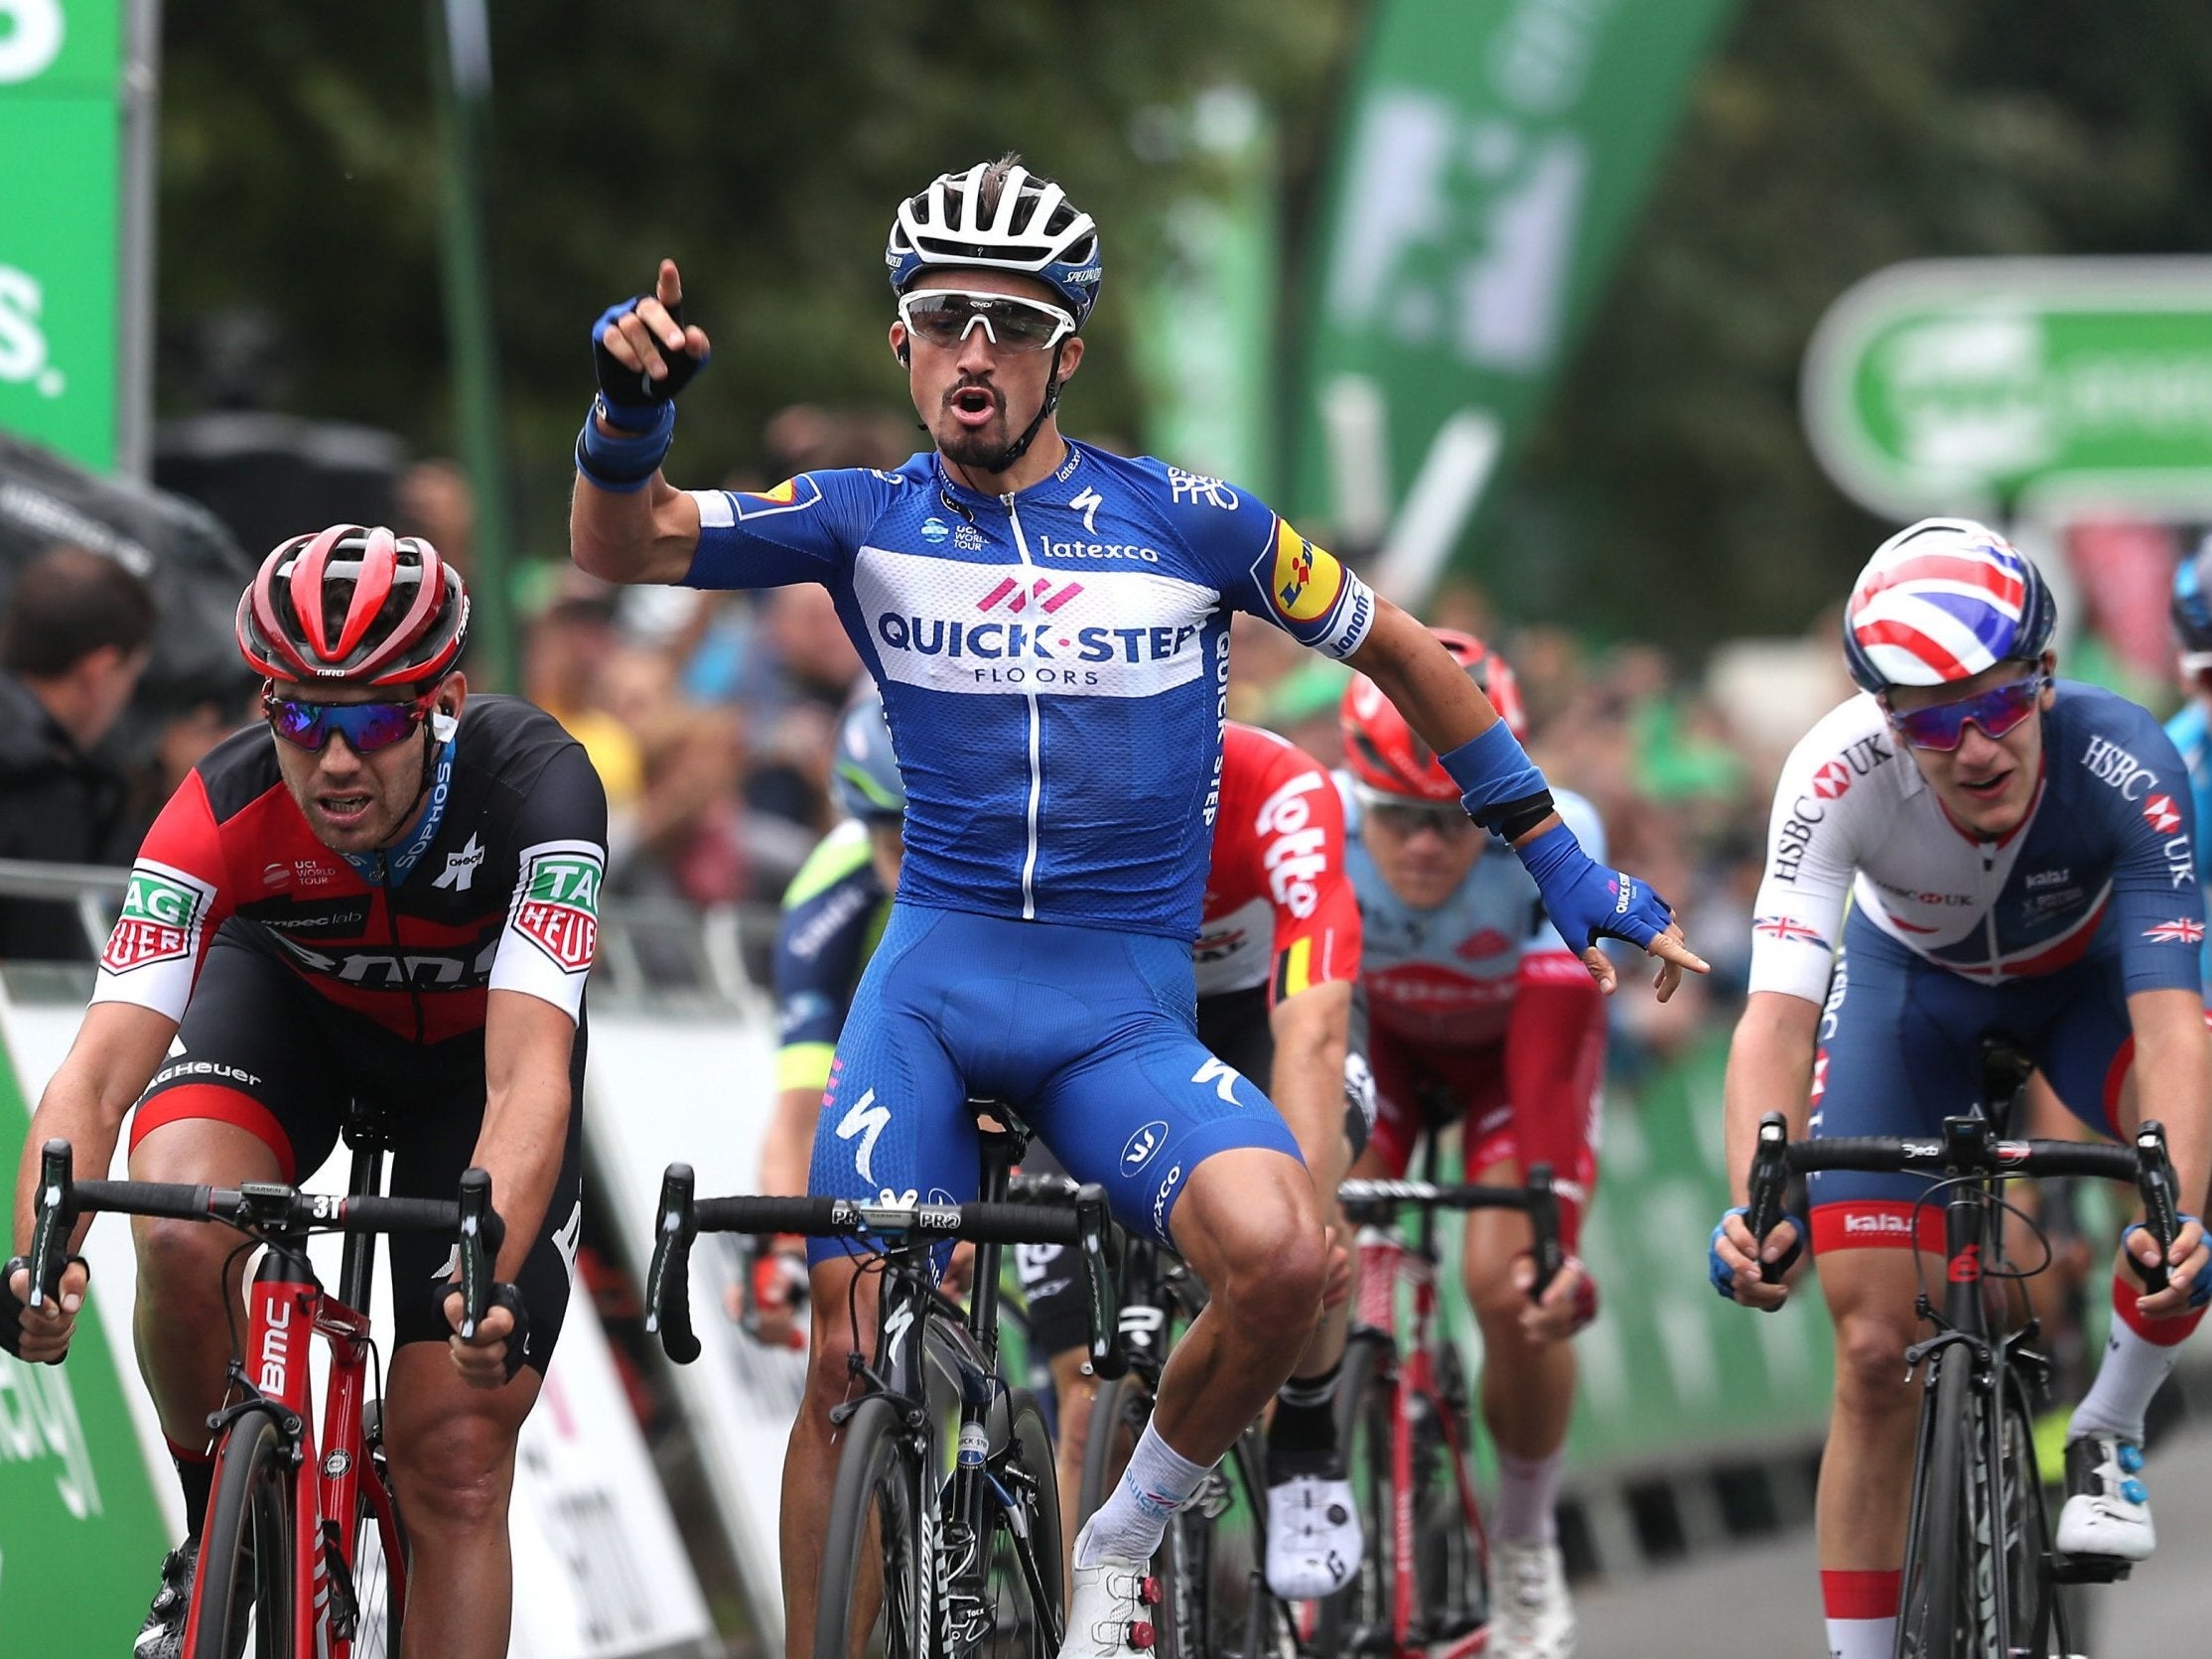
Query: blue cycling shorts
[(1900, 1050), (1089, 1034)]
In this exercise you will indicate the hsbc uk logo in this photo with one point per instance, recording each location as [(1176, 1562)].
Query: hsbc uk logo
[(1832, 781), (2161, 814)]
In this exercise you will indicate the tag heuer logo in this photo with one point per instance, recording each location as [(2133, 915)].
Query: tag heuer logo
[(557, 907), (160, 920)]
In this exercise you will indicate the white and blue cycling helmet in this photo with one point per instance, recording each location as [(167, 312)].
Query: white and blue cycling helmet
[(2193, 608), (865, 773), (998, 215), (1943, 601)]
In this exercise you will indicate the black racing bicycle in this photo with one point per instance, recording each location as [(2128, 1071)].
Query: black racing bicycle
[(1983, 1579), (944, 1534)]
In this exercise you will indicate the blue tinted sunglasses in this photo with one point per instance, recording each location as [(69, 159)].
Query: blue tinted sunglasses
[(365, 726), (1997, 711)]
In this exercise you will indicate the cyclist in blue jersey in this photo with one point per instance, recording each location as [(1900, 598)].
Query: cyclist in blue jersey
[(1048, 624), (2016, 854), (2192, 729)]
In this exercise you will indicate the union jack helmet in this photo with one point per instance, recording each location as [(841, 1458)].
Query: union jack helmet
[(356, 604), (1941, 600), (1386, 756)]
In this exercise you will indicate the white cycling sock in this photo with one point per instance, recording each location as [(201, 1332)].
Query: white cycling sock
[(1130, 1524), (1528, 1497), (2130, 1374), (1862, 1639)]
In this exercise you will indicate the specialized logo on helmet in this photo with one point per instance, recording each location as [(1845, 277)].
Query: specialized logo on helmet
[(556, 902), (160, 921)]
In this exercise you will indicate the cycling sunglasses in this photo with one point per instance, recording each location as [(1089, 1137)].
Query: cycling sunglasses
[(1997, 711), (947, 317), (365, 726), (1404, 819)]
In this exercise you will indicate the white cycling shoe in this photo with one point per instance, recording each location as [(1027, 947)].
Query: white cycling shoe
[(1313, 1541), (2107, 1509), (1531, 1614), (1110, 1606)]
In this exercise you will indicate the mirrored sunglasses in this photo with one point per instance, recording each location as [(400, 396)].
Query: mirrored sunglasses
[(1404, 819), (947, 317), (1995, 710), (365, 726)]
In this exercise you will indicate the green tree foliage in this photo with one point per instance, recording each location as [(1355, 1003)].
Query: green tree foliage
[(1830, 138), (762, 146)]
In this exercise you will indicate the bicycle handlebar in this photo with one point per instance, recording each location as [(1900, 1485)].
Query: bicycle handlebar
[(1957, 1153), (260, 1208), (1536, 1196), (1080, 1220)]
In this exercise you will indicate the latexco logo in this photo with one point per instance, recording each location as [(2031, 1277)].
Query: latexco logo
[(31, 34), (23, 347)]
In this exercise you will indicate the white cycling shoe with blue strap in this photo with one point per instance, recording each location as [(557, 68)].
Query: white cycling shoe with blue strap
[(2107, 1508)]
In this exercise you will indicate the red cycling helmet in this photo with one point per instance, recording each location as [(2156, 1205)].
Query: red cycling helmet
[(1384, 754), (356, 604)]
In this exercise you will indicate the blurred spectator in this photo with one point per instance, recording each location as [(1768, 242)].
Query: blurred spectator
[(433, 501), (73, 642), (564, 649)]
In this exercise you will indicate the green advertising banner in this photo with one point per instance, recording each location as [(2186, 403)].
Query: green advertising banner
[(81, 1532), (1964, 385), (1495, 155), (61, 225)]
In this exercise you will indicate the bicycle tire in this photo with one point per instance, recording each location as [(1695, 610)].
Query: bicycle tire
[(1451, 1561), (379, 1544), (1359, 1617), (1119, 1414), (1932, 1613), (882, 1524), (1022, 1453), (1218, 1544), (245, 1597), (2039, 1625)]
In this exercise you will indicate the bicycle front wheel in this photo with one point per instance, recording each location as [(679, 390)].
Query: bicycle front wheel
[(245, 1576), (378, 1563), (1935, 1619), (879, 1572), (1360, 1617), (1020, 1611)]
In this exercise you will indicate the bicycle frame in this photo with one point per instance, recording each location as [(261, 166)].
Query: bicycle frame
[(1386, 1263), (286, 1308)]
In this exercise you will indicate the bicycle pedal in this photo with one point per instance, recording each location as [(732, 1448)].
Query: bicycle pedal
[(2088, 1570)]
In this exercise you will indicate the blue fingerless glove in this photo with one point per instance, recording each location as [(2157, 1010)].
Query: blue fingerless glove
[(1585, 900), (1723, 1277), (2200, 1291)]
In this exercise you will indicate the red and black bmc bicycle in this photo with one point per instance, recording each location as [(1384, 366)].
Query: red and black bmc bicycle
[(303, 1553), (1421, 1588)]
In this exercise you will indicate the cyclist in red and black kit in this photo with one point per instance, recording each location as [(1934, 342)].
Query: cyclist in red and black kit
[(390, 896)]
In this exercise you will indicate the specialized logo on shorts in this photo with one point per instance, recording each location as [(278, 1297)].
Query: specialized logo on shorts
[(791, 495), (1141, 1146), (2179, 931), (2161, 814), (163, 910), (866, 1121), (556, 903)]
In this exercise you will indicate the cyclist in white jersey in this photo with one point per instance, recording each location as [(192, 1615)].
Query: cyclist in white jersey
[(2016, 855), (1049, 626)]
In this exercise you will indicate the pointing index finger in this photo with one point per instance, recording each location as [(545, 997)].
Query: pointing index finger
[(668, 288)]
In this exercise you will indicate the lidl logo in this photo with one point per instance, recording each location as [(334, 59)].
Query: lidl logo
[(160, 920), (1308, 579), (557, 908)]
